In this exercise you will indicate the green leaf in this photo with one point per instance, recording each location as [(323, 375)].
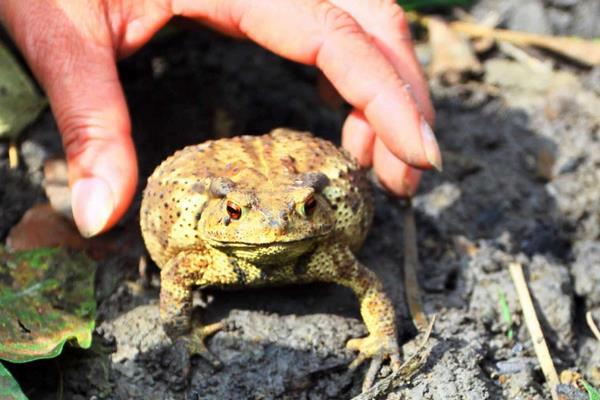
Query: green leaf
[(506, 316), (592, 392), (20, 103), (9, 388), (46, 299)]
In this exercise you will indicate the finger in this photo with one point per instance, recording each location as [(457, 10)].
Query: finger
[(318, 33), (393, 174), (137, 23), (358, 138), (79, 75), (386, 23), (94, 124)]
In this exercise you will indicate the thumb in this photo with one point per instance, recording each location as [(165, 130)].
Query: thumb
[(100, 155), (71, 52), (92, 116)]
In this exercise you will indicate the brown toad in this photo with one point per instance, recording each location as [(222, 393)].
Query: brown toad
[(281, 208)]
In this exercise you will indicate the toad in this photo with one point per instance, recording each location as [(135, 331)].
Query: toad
[(251, 211)]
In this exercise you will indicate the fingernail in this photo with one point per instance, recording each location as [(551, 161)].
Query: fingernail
[(432, 150), (93, 204)]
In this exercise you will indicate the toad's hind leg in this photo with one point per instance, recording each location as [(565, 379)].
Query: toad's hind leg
[(337, 264), (178, 278)]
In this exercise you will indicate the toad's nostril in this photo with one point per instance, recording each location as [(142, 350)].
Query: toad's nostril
[(278, 224)]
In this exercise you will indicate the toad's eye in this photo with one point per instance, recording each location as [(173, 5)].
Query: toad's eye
[(309, 206), (234, 211)]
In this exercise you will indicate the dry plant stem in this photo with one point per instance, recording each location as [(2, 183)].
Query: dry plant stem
[(592, 325), (520, 55), (578, 49), (584, 51), (411, 267), (453, 59), (427, 333), (13, 154), (144, 273), (408, 368), (534, 328)]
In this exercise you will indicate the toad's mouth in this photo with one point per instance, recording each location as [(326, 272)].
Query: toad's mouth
[(269, 253), (250, 245)]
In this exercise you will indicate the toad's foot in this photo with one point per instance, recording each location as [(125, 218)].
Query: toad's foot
[(193, 343), (377, 348)]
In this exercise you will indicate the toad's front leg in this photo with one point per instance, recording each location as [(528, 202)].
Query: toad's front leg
[(338, 264), (178, 278)]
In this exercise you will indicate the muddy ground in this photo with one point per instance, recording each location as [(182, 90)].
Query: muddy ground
[(521, 181)]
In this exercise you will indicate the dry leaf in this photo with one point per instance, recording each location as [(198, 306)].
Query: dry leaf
[(578, 49), (453, 59), (42, 226)]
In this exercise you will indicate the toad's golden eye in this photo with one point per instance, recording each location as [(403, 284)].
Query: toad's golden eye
[(234, 211), (309, 206)]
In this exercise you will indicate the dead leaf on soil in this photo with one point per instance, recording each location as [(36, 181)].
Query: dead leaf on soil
[(42, 226), (453, 59), (46, 299), (51, 225)]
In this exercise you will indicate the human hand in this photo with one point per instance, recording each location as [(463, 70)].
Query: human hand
[(362, 46)]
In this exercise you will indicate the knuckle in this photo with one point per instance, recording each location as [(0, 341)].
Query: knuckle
[(78, 135), (336, 20), (392, 9), (392, 12)]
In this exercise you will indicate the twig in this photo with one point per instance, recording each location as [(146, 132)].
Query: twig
[(578, 49), (404, 373), (593, 327), (516, 52), (584, 51), (411, 266), (13, 154), (534, 328)]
